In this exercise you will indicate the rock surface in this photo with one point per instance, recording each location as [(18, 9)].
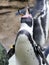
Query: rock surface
[(9, 24)]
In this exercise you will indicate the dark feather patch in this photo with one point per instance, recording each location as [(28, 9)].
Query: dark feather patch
[(28, 21), (46, 52), (37, 31)]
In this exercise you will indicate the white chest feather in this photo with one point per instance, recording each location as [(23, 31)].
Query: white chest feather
[(13, 60), (24, 51)]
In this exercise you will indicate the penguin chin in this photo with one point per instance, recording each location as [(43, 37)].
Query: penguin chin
[(25, 52)]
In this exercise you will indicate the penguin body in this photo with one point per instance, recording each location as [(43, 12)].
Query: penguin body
[(24, 50)]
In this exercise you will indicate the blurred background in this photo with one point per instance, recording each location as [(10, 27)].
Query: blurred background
[(9, 22)]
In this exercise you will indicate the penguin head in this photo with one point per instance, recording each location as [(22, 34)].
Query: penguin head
[(27, 19)]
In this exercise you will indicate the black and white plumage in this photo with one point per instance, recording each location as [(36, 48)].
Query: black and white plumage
[(41, 25), (23, 48), (38, 31)]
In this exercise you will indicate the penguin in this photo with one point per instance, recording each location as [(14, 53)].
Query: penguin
[(40, 31), (31, 31), (24, 49)]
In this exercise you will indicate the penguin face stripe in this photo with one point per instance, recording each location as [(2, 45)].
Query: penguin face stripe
[(26, 33)]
